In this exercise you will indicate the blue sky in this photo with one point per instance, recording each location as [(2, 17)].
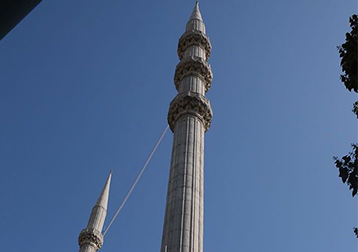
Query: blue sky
[(85, 88)]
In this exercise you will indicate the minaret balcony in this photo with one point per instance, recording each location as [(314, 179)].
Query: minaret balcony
[(191, 38), (91, 237), (190, 103), (195, 66)]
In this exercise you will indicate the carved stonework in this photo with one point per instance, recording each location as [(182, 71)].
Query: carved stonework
[(92, 237), (190, 103), (193, 66), (194, 37)]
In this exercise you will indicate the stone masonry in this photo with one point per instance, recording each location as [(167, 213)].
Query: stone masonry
[(189, 117), (91, 238)]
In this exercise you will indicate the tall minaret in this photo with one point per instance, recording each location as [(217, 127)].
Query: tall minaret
[(91, 238), (189, 118)]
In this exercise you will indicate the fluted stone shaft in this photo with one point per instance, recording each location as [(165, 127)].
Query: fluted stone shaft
[(183, 228), (192, 84), (88, 248), (97, 217), (189, 117)]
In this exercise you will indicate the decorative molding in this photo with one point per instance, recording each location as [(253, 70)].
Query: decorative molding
[(194, 37), (190, 103), (195, 66), (92, 237)]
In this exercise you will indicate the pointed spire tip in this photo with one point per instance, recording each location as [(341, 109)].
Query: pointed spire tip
[(196, 12), (103, 198)]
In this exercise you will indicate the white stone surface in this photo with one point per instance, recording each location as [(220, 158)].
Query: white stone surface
[(192, 83), (195, 21), (90, 238), (183, 228), (88, 248), (184, 213)]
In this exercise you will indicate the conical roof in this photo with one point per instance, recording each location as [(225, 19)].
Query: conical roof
[(196, 12), (103, 197)]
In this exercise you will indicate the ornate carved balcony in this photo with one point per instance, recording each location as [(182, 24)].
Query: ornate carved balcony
[(90, 236), (194, 66), (194, 37), (190, 103)]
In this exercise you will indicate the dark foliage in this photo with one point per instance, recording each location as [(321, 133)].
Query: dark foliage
[(348, 169), (355, 108), (348, 165), (348, 54)]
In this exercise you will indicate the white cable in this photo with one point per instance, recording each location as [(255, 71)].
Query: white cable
[(136, 180)]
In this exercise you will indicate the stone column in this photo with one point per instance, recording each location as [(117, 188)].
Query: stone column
[(189, 118)]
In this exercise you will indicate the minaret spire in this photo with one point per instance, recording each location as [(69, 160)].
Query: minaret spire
[(195, 21), (189, 117), (196, 12), (103, 197), (91, 238)]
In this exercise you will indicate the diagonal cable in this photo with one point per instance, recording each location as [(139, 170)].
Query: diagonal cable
[(136, 180)]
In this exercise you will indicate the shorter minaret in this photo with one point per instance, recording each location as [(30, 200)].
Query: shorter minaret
[(91, 238)]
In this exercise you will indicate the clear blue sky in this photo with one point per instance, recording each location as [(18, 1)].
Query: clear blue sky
[(85, 88)]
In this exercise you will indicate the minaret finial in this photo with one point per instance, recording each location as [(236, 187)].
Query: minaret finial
[(196, 12), (91, 238), (195, 21)]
